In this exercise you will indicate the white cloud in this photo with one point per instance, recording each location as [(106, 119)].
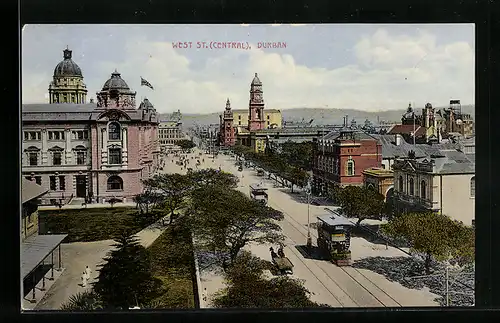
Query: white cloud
[(389, 72)]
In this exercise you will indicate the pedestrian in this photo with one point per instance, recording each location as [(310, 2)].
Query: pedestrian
[(84, 280), (280, 252), (88, 271), (273, 254)]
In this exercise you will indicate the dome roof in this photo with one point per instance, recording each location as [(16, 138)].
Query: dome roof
[(67, 67), (115, 82), (256, 80)]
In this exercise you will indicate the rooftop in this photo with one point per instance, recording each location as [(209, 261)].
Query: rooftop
[(30, 190), (379, 172)]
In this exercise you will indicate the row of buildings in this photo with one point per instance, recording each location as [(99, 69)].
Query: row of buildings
[(425, 163), (97, 150)]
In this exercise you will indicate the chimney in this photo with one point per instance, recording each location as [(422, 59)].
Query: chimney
[(398, 139)]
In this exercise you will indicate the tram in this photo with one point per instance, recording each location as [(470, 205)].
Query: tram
[(259, 193)]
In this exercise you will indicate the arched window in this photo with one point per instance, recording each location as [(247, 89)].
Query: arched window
[(473, 186), (412, 187), (370, 186), (350, 167), (115, 183), (423, 189), (114, 131), (400, 184)]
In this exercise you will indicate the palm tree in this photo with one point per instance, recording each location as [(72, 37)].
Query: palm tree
[(83, 301)]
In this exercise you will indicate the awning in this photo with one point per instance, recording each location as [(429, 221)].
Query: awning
[(35, 248)]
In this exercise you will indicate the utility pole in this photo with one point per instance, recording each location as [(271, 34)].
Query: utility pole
[(309, 240)]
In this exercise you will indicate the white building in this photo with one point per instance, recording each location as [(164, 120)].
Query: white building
[(443, 183)]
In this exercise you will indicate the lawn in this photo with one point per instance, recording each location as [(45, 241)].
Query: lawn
[(172, 262), (94, 224)]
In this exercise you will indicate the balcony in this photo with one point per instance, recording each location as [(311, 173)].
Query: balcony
[(414, 200)]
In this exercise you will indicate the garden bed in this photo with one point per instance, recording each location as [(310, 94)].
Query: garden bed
[(172, 262), (94, 224)]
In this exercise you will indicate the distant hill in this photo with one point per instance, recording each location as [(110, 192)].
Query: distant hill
[(319, 115)]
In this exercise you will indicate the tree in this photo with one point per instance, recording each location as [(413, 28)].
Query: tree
[(298, 154), (186, 144), (210, 177), (147, 200), (435, 236), (173, 189), (224, 221), (359, 202), (83, 301), (125, 278), (248, 288), (297, 176)]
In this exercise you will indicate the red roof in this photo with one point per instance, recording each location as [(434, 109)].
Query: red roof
[(406, 129)]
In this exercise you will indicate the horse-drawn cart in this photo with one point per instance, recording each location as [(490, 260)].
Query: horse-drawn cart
[(283, 265)]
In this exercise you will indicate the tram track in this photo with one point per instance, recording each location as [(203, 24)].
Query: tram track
[(383, 298), (343, 269)]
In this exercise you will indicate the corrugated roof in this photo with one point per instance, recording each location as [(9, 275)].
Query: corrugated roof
[(35, 248), (30, 190)]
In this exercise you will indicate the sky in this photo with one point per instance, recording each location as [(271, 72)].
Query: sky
[(364, 67)]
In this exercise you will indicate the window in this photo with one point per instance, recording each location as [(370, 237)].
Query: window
[(62, 183), (239, 117), (53, 184), (38, 180), (412, 187), (32, 135), (80, 157), (239, 123), (114, 131), (473, 186), (56, 135), (350, 167), (267, 117), (115, 183), (33, 158), (400, 184), (115, 156), (423, 189), (56, 158)]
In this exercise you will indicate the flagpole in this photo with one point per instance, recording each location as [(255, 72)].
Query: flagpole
[(414, 118)]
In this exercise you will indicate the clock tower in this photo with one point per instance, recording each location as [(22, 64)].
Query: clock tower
[(256, 106)]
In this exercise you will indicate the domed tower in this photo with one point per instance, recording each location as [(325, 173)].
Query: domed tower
[(116, 94), (256, 106), (67, 85)]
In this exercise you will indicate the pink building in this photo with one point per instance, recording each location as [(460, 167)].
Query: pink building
[(78, 150)]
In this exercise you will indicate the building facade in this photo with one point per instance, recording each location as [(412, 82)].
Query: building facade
[(443, 184), (432, 126), (170, 132), (234, 124), (341, 157), (379, 179), (97, 150), (227, 130)]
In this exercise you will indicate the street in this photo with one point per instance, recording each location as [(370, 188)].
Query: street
[(328, 284)]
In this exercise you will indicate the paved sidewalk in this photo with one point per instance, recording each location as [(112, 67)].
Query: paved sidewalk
[(77, 255)]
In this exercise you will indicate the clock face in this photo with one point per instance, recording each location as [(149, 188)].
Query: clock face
[(258, 96)]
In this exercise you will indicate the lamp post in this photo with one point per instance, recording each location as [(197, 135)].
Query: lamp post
[(308, 192)]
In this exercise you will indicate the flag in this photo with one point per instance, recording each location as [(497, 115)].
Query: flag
[(146, 83)]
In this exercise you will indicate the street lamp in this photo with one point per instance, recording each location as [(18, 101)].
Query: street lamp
[(308, 192)]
